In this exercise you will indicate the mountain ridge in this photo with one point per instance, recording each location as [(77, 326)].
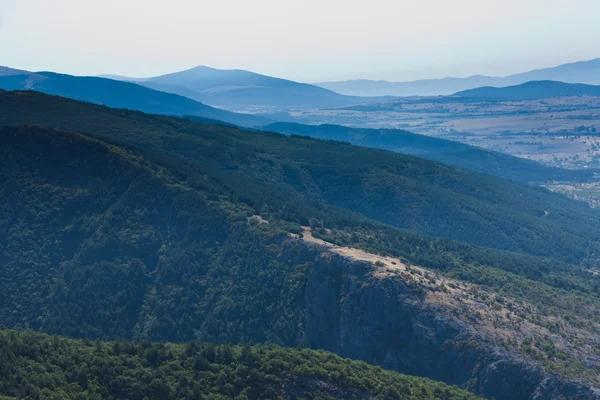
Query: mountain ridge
[(121, 95), (241, 89), (532, 90), (586, 72)]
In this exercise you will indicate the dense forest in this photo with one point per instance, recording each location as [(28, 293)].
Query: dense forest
[(404, 191), (35, 366)]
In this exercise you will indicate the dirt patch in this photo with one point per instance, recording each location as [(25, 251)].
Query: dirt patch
[(258, 219)]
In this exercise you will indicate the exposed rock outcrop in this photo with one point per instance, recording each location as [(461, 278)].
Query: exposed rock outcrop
[(361, 310)]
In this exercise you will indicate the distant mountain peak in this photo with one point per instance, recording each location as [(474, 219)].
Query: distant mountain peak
[(237, 89), (7, 71), (201, 68)]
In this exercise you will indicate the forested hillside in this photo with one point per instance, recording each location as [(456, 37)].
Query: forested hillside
[(403, 191), (115, 242), (35, 366)]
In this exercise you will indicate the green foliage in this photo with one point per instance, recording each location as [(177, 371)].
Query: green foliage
[(102, 244), (34, 366)]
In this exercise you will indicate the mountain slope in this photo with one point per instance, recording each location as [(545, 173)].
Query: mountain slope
[(587, 72), (423, 87), (120, 95), (404, 191), (99, 240), (533, 90), (238, 89), (440, 150), (577, 72), (5, 71)]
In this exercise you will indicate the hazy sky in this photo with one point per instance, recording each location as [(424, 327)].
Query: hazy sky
[(306, 40)]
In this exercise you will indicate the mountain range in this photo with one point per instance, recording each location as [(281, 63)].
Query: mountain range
[(132, 96), (118, 94), (587, 72), (238, 89), (189, 92)]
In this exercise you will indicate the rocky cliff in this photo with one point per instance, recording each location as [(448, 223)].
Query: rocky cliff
[(404, 318)]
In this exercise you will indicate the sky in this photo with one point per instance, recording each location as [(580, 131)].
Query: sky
[(303, 40)]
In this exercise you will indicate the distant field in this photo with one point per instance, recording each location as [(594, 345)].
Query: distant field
[(588, 192), (562, 131)]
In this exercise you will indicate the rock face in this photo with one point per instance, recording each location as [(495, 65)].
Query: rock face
[(385, 321)]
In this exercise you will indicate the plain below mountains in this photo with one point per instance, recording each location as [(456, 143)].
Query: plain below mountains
[(587, 72), (119, 94), (240, 90)]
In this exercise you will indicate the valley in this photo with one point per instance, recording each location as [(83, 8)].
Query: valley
[(560, 132)]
